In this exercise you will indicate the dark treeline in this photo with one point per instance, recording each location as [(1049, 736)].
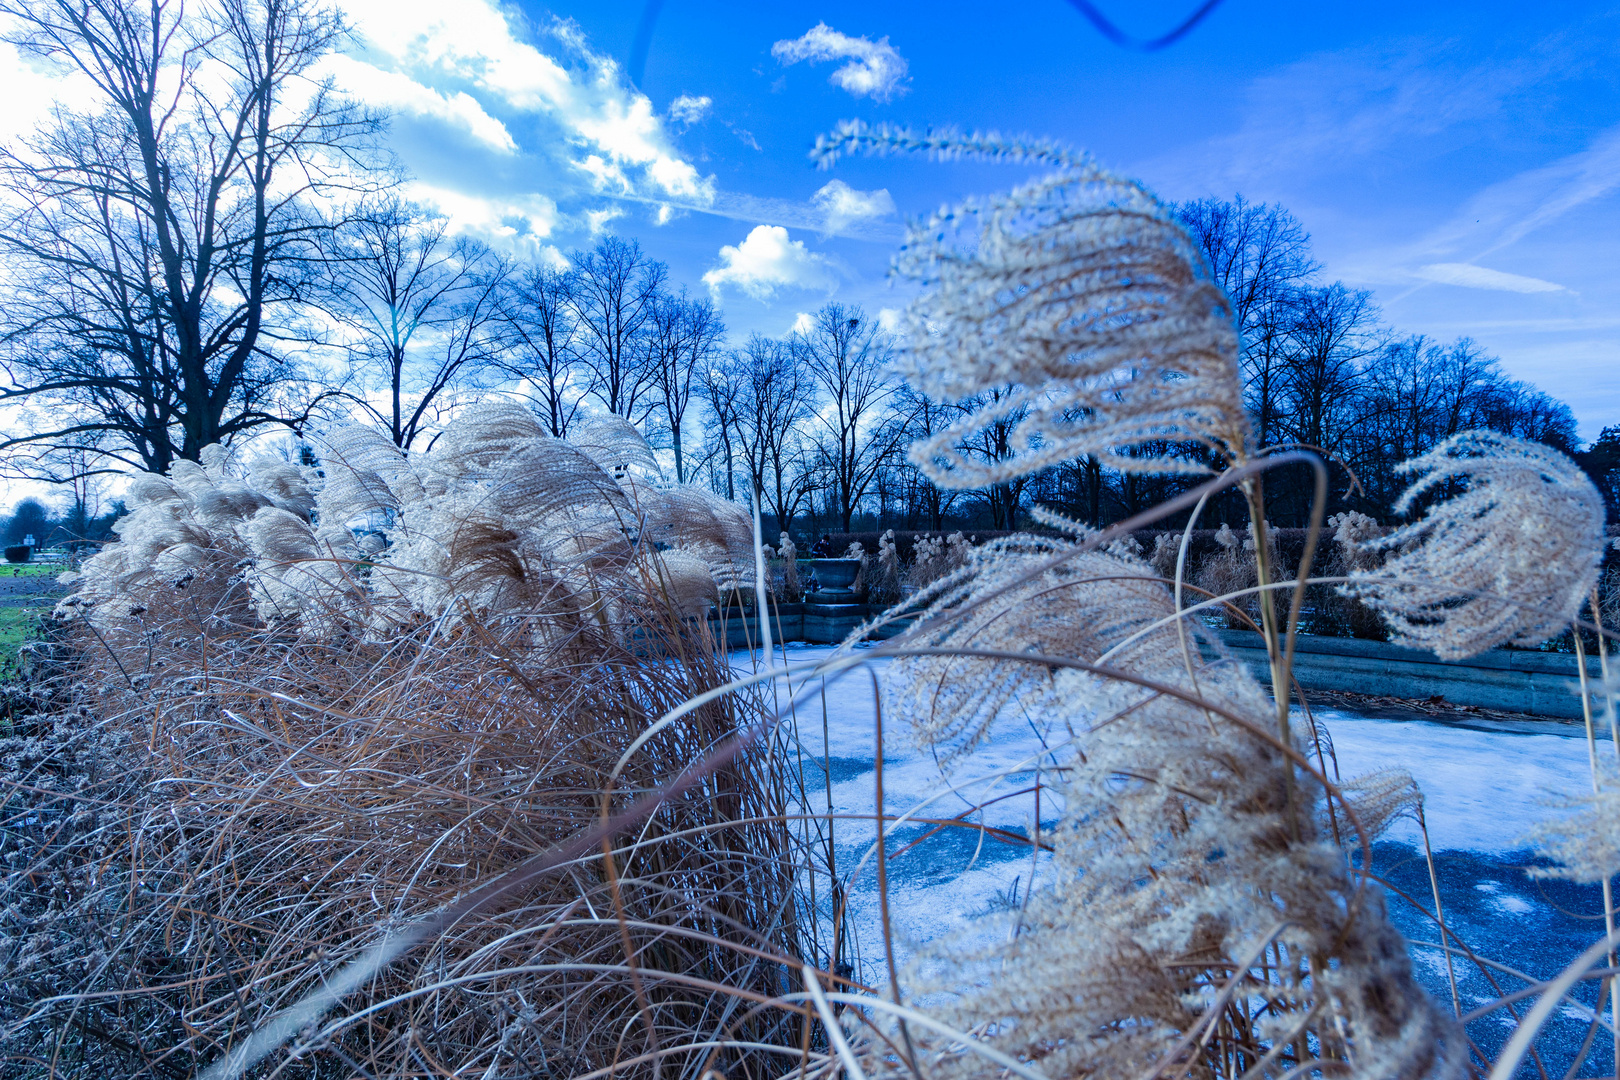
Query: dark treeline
[(166, 283), (1321, 370), (71, 528)]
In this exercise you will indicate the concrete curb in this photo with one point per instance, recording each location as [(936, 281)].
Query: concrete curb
[(1509, 680), (1512, 680)]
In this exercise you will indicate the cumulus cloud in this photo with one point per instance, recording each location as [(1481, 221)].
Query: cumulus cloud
[(875, 69), (842, 205), (688, 110), (766, 261), (1478, 277), (576, 126)]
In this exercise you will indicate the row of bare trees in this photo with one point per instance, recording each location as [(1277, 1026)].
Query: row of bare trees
[(1321, 369), (808, 420), (215, 244)]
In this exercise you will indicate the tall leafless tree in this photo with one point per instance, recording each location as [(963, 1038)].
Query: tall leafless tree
[(156, 245), (424, 312), (684, 336), (848, 355), (1333, 333), (722, 388), (616, 290), (774, 398), (1259, 255), (543, 334), (920, 417)]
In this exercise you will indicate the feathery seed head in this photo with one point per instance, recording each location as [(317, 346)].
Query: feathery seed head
[(1083, 304), (1508, 554)]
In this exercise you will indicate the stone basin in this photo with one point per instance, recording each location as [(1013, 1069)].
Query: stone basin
[(835, 576)]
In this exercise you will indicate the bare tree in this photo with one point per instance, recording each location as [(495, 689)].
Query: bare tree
[(848, 356), (773, 400), (616, 289), (157, 245), (1260, 257), (1334, 331), (993, 442), (683, 338), (543, 334), (423, 311), (722, 389), (920, 417)]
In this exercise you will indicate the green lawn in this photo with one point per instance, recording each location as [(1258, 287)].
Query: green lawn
[(17, 625), (47, 570)]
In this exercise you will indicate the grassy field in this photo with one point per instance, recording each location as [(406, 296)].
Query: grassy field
[(42, 569), (17, 625)]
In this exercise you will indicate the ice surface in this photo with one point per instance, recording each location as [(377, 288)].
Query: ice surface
[(1483, 790)]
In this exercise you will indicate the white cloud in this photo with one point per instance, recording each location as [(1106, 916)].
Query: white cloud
[(803, 323), (688, 110), (843, 205), (766, 261), (889, 320), (509, 218), (399, 92), (1478, 277), (875, 69), (600, 219), (31, 88), (608, 128)]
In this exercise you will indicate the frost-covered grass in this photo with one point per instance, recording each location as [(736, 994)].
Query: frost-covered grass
[(37, 569)]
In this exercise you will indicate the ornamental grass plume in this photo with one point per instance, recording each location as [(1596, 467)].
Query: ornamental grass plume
[(1584, 845), (1508, 551), (1355, 550), (1081, 293), (1234, 569), (497, 518), (1199, 916), (934, 557)]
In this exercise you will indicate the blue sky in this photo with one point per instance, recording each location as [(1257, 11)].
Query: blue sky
[(1460, 160)]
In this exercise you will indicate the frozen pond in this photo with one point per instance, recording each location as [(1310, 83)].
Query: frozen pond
[(1483, 791)]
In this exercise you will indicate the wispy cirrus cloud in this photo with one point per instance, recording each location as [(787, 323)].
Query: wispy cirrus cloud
[(875, 69), (1469, 276)]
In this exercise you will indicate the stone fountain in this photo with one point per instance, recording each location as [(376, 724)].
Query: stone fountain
[(834, 576)]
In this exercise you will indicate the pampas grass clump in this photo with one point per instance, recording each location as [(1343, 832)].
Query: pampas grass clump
[(312, 713)]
